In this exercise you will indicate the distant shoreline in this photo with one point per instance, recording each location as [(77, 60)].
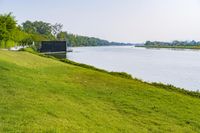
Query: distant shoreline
[(173, 47)]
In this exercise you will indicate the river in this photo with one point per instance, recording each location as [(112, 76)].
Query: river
[(180, 68)]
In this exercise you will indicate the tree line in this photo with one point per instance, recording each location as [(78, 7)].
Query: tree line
[(174, 43), (13, 34)]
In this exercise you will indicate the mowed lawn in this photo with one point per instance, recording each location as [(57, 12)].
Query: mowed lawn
[(39, 94)]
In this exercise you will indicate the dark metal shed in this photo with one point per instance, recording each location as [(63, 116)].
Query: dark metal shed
[(53, 46)]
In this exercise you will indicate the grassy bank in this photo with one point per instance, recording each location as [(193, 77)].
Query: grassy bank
[(39, 94), (175, 47), (119, 74)]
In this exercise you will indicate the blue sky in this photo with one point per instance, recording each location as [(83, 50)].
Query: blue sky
[(115, 20)]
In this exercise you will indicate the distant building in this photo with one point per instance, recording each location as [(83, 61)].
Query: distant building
[(53, 46)]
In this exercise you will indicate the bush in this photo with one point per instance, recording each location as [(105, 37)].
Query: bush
[(122, 74), (29, 49), (7, 44), (33, 47), (2, 44), (173, 88)]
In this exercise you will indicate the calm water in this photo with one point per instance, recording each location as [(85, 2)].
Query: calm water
[(177, 67)]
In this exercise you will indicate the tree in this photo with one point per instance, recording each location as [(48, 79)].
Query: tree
[(62, 36), (42, 28), (7, 26), (29, 27), (148, 43), (56, 28), (38, 28)]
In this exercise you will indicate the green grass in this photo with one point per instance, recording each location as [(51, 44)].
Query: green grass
[(39, 94)]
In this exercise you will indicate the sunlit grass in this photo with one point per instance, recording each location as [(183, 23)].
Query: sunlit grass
[(39, 94)]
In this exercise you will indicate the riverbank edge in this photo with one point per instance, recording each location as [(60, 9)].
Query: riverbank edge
[(167, 87), (172, 47)]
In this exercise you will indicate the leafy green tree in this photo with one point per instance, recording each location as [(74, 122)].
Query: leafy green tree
[(56, 29), (7, 28), (29, 27), (42, 28), (62, 36), (39, 28)]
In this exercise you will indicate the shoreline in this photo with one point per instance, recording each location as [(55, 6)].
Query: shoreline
[(168, 87), (172, 47)]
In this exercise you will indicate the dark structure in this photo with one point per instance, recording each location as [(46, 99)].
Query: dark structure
[(53, 46)]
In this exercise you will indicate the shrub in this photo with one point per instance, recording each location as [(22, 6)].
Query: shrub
[(173, 88), (122, 74)]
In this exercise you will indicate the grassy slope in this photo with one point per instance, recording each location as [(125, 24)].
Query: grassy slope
[(38, 94)]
